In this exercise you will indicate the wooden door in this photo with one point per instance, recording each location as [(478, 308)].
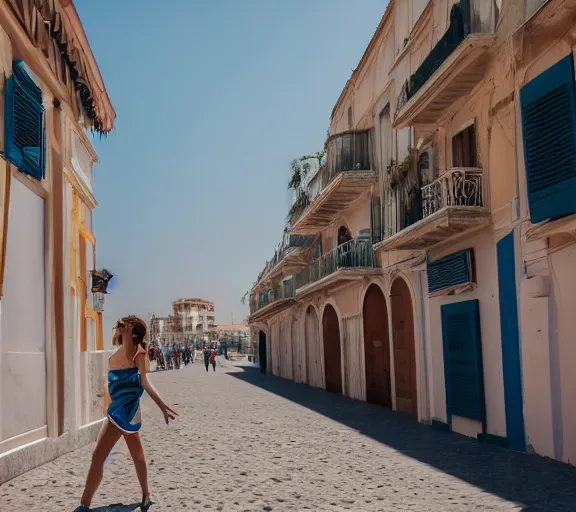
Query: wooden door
[(313, 363), (262, 351), (510, 335), (376, 348), (404, 350), (332, 351)]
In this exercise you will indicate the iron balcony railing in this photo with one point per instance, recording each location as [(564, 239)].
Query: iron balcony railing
[(289, 242), (456, 187), (285, 290), (353, 254), (466, 17), (350, 151)]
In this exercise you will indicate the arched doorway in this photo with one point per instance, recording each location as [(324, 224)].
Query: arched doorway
[(376, 348), (343, 235), (332, 352), (262, 350), (314, 373), (404, 349)]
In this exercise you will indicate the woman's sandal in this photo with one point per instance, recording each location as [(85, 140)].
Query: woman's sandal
[(146, 504), (82, 508)]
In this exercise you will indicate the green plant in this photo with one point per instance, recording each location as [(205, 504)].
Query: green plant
[(300, 168)]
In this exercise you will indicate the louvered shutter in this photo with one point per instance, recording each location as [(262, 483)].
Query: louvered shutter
[(376, 220), (24, 123), (548, 107), (452, 270), (463, 360)]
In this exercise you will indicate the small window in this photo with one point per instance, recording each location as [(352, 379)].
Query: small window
[(464, 152), (349, 117), (25, 130)]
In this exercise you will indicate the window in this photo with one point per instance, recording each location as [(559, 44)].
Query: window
[(25, 130), (376, 220), (350, 117), (548, 106), (452, 270), (343, 235), (464, 148)]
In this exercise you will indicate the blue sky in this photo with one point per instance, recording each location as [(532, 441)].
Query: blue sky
[(214, 99)]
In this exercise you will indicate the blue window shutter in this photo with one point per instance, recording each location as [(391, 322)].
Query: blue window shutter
[(463, 360), (25, 144), (548, 108), (451, 270)]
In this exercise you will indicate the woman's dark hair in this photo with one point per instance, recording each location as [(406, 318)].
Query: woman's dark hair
[(138, 334)]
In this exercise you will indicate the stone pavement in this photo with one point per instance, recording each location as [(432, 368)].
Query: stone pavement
[(247, 442)]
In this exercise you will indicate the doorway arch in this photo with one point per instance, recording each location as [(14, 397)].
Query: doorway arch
[(313, 350), (376, 347), (332, 350), (262, 350), (404, 348), (343, 235)]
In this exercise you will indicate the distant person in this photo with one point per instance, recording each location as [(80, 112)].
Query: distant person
[(207, 358), (213, 359), (127, 381)]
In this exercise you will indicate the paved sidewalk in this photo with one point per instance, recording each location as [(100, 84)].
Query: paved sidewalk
[(247, 442)]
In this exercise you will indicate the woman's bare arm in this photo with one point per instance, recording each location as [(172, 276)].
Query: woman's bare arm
[(140, 361)]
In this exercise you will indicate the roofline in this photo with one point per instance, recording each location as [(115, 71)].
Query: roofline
[(364, 58), (76, 23)]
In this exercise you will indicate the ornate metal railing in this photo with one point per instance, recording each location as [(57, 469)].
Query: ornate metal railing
[(350, 151), (456, 187), (288, 243), (458, 30), (353, 254), (285, 290)]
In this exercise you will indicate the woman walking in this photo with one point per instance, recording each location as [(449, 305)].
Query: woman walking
[(213, 359), (127, 380)]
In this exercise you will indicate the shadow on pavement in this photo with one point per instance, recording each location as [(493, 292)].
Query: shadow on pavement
[(536, 483), (119, 507)]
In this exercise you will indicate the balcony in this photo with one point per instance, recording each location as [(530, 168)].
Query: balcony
[(452, 68), (272, 301), (347, 262), (290, 255), (345, 177), (451, 205)]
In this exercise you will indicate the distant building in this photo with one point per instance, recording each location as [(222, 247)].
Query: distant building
[(191, 319)]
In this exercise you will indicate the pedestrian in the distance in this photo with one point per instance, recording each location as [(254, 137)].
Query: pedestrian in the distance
[(206, 357), (127, 381), (213, 359)]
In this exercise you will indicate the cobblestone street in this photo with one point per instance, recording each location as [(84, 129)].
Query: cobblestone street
[(247, 442)]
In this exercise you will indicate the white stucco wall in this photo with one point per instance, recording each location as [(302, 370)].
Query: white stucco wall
[(23, 321)]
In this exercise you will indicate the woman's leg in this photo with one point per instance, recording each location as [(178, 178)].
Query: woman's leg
[(137, 452), (106, 442)]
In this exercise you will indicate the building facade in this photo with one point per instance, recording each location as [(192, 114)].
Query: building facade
[(52, 357), (446, 227), (191, 319)]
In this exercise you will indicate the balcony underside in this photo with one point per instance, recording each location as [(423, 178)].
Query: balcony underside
[(292, 261), (344, 189), (336, 279), (271, 309), (456, 77), (438, 227)]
